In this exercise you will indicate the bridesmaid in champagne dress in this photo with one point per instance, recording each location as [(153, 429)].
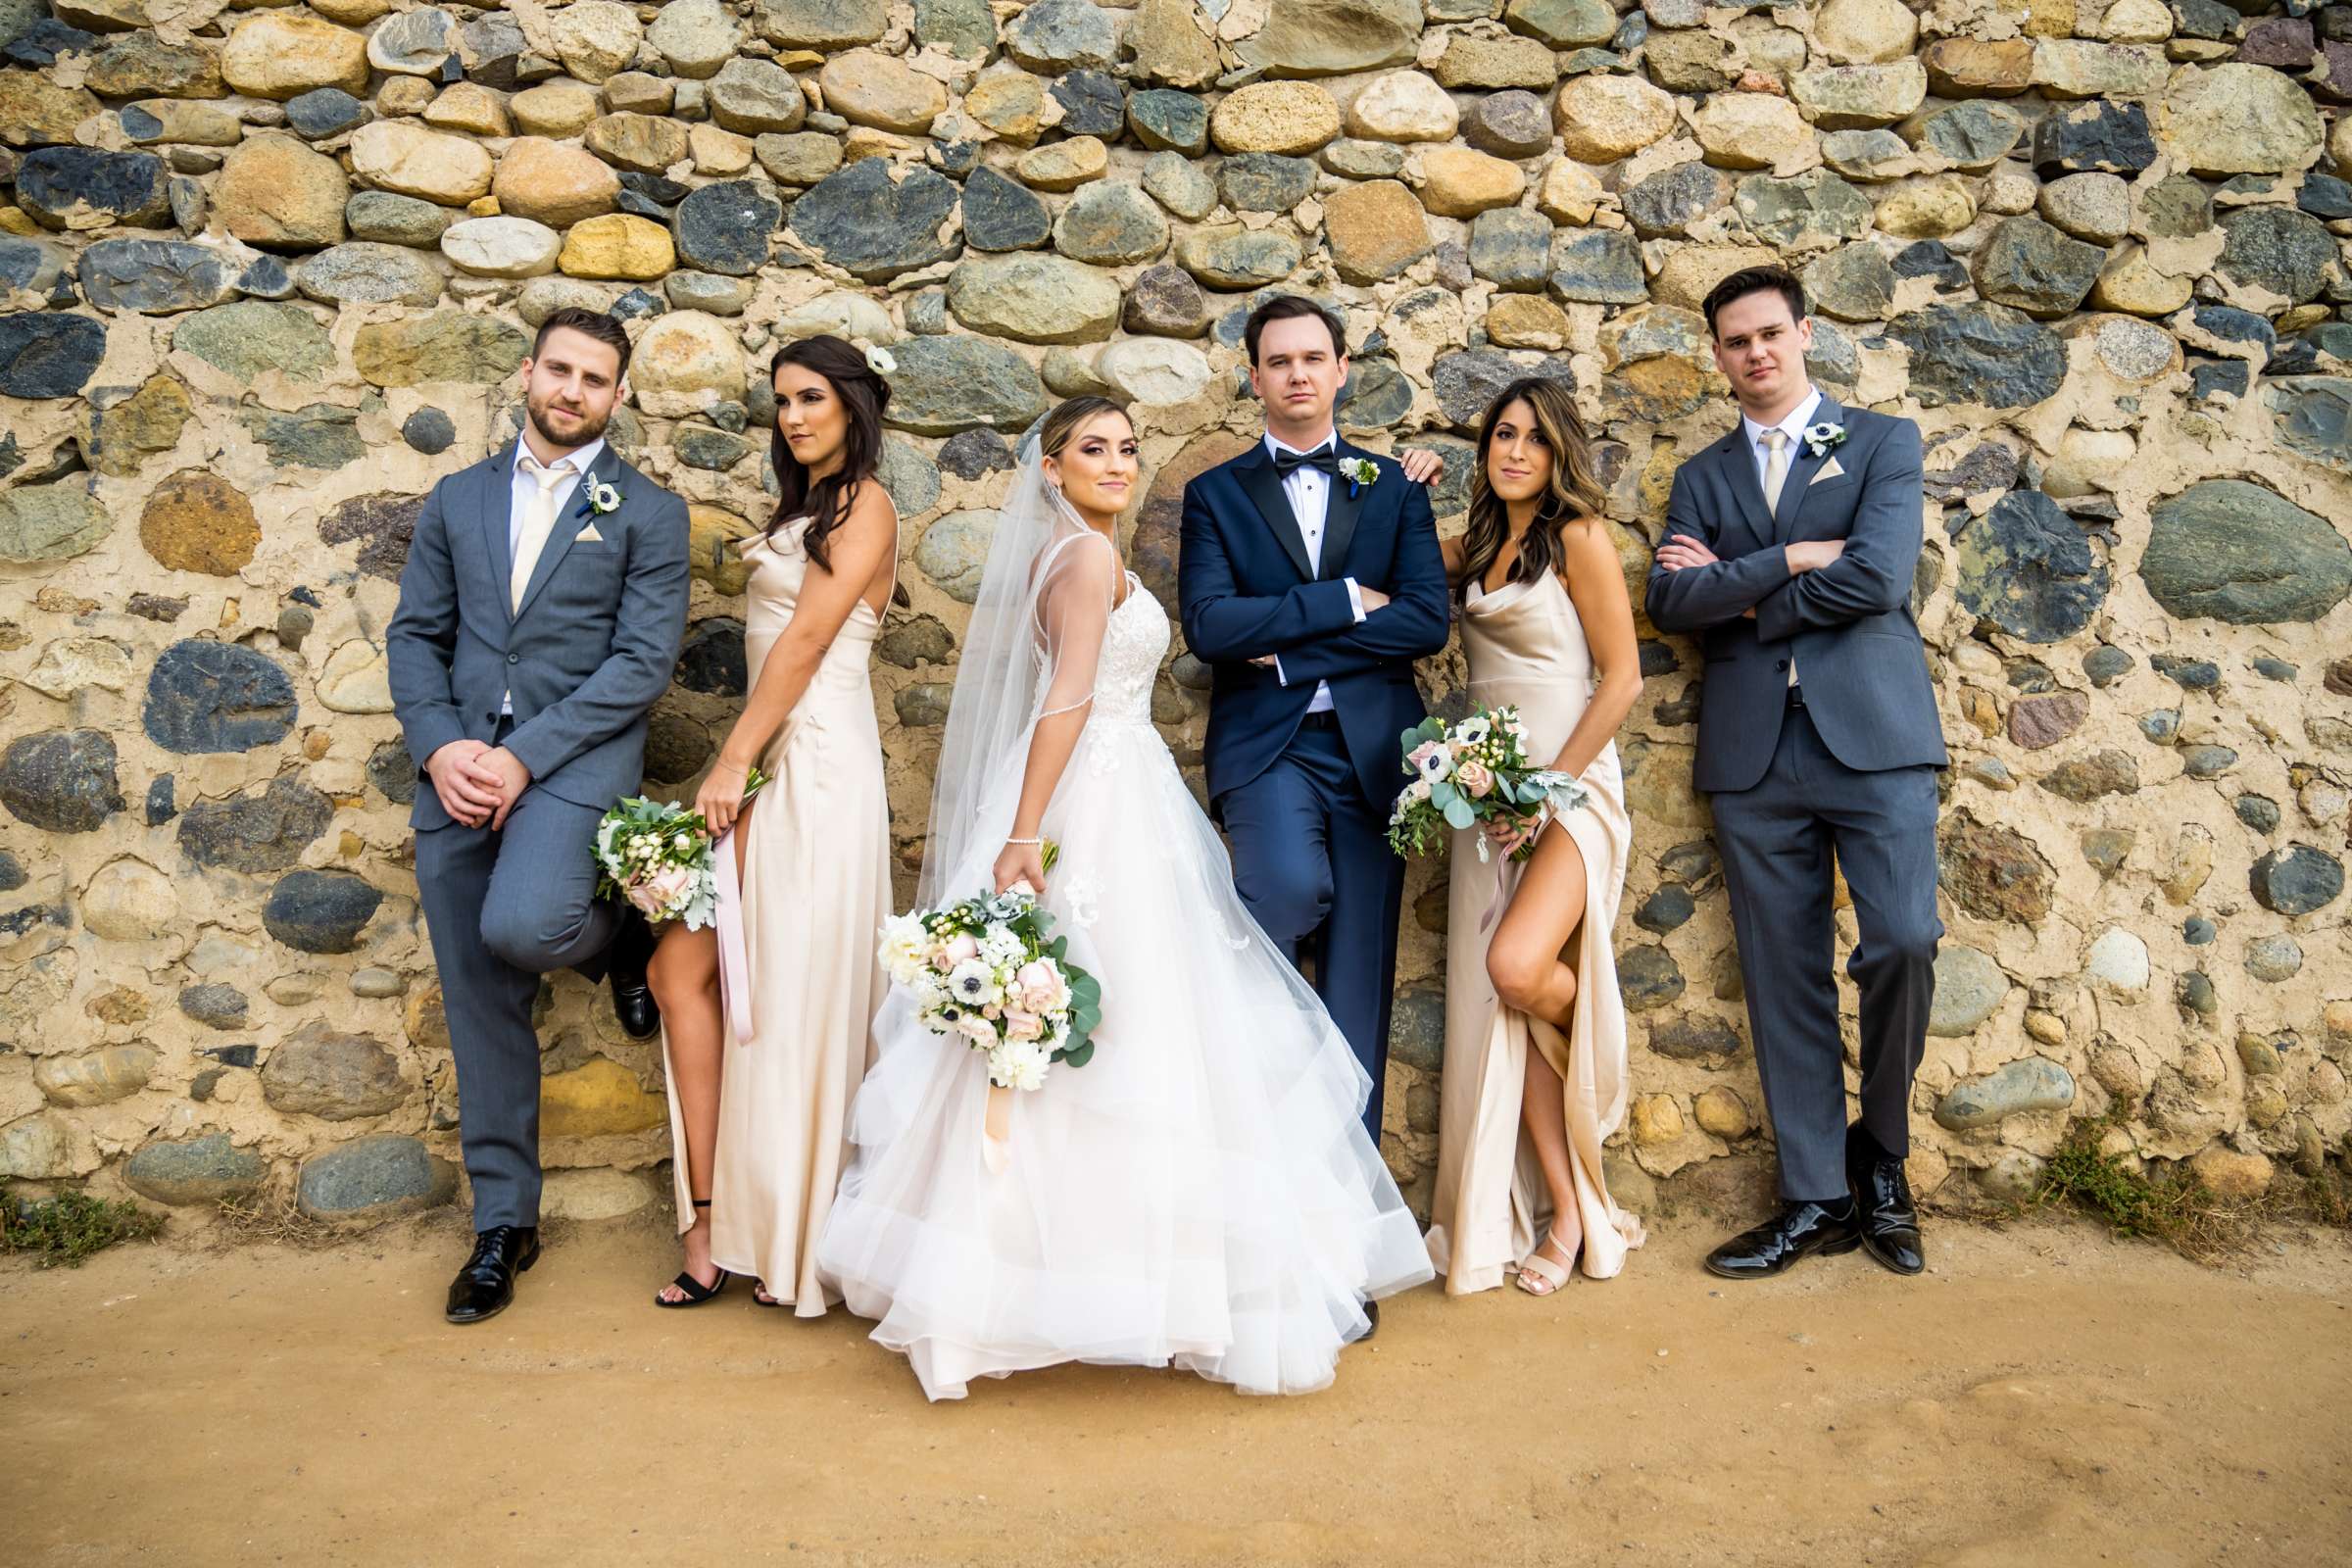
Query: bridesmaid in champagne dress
[(1535, 1074), (765, 1035)]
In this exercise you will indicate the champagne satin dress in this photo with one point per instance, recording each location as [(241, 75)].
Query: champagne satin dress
[(1526, 647), (815, 891)]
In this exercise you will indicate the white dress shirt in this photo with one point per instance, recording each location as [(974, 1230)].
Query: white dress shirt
[(522, 489), (1794, 428), (1309, 492)]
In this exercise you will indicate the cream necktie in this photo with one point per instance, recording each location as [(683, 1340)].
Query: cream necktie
[(1776, 468), (1776, 477), (537, 523)]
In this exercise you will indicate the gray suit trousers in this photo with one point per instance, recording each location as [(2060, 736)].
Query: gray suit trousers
[(1777, 839), (505, 908)]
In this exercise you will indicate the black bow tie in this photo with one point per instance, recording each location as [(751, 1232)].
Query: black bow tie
[(1324, 458)]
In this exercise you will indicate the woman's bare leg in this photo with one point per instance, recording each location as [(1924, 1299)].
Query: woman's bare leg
[(1524, 962), (684, 976)]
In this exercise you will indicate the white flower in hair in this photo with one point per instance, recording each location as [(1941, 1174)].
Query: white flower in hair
[(877, 358)]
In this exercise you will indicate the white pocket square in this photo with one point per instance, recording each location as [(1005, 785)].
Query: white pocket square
[(588, 536), (1828, 470)]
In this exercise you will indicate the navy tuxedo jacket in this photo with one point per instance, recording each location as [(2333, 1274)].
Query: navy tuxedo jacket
[(1247, 589), (1848, 625)]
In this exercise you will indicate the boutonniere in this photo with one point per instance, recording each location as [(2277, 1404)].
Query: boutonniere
[(1820, 438), (600, 497), (1359, 472)]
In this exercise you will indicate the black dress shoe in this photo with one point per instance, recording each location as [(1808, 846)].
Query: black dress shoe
[(1798, 1231), (1371, 1319), (632, 999), (486, 1284), (1884, 1211)]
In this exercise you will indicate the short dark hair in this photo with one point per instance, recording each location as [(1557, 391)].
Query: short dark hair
[(597, 325), (1287, 306), (1755, 280)]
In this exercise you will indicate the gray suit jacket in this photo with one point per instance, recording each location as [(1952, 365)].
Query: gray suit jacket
[(592, 647), (1848, 625)]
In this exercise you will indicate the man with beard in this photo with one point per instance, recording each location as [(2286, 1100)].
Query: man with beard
[(540, 614)]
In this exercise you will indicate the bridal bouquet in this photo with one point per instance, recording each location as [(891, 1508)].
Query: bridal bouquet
[(657, 855), (1476, 771), (983, 970)]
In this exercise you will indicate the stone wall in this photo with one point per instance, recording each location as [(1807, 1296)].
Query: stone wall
[(268, 269)]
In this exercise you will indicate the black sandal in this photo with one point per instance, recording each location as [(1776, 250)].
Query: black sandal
[(695, 1292), (760, 1289)]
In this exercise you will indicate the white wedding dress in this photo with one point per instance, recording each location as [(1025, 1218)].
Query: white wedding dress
[(1202, 1193)]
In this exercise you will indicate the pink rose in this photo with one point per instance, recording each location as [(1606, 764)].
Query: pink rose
[(648, 899), (976, 1029), (1475, 779), (961, 947), (1039, 984), (1020, 1025)]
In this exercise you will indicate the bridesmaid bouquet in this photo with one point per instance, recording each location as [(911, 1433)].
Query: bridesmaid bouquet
[(1476, 771), (984, 970), (657, 855)]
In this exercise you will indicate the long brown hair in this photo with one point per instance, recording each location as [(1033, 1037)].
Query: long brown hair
[(863, 396), (1574, 492)]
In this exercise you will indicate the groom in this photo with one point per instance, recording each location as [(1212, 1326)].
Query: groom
[(1790, 551), (540, 614), (1311, 580)]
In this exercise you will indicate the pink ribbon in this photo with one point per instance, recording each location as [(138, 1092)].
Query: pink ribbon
[(734, 966)]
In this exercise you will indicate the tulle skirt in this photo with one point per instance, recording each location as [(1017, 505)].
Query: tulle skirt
[(1200, 1194)]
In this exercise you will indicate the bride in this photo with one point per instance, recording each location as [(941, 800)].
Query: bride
[(1202, 1193)]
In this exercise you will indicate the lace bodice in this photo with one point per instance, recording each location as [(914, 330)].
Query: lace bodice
[(1133, 645)]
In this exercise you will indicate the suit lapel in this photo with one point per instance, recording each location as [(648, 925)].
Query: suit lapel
[(574, 516), (1802, 465), (1344, 504), (1739, 472), (494, 500), (1264, 489)]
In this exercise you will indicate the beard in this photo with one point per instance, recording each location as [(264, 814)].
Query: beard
[(590, 427)]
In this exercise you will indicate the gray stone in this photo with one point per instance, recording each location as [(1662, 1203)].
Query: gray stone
[(1598, 267), (51, 522), (373, 1178), (2030, 1084), (2014, 1177), (1165, 302), (1180, 185), (1056, 35), (724, 227), (1350, 159), (1166, 119), (393, 772), (1234, 258), (1649, 977), (1036, 299), (700, 446), (48, 355), (1512, 123), (325, 112), (1691, 1039), (429, 431), (2207, 761), (364, 274), (1511, 248), (317, 435), (61, 780), (154, 275), (383, 524), (711, 659), (2279, 251), (865, 224), (1417, 1028), (675, 748), (1980, 354), (391, 218), (2094, 778), (2028, 264), (1108, 222), (1265, 183), (1002, 214), (216, 1006), (2312, 415), (249, 337), (205, 1169), (822, 24), (1804, 213), (1467, 381), (1974, 134), (61, 186), (911, 644), (974, 453), (924, 705), (335, 1077), (1667, 909), (953, 551), (2296, 880), (320, 912), (2099, 136), (966, 28), (707, 292), (1873, 154), (1970, 986), (263, 831), (801, 158), (1376, 395), (1092, 105), (2233, 551), (1335, 37), (1671, 200), (912, 479), (2274, 958), (1855, 283)]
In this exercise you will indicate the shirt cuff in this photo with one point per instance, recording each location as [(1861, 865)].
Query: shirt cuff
[(1355, 598), (1279, 677)]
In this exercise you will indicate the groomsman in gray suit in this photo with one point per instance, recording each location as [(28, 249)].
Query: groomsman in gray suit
[(540, 615), (1790, 551)]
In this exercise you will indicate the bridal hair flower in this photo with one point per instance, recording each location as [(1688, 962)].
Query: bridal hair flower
[(1820, 438), (877, 358)]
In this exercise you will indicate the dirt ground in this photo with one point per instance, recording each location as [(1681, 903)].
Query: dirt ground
[(2043, 1395)]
